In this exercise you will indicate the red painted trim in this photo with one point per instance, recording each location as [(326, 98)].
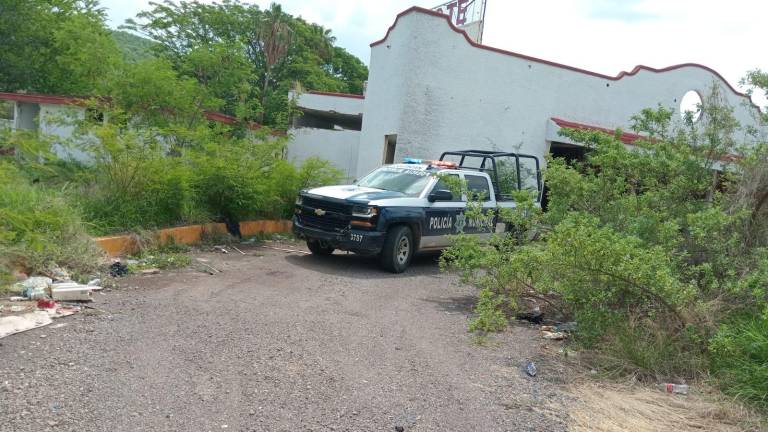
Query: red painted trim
[(627, 138), (346, 95), (621, 74), (41, 98)]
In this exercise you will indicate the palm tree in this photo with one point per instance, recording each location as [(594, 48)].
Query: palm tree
[(274, 37)]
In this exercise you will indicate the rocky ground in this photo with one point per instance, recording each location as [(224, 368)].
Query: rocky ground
[(277, 342)]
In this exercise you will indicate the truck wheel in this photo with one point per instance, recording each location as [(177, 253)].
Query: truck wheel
[(398, 249), (319, 247)]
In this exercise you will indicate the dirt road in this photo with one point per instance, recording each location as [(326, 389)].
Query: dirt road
[(277, 342)]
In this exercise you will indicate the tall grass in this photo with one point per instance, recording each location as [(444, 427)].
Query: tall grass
[(39, 228), (739, 353)]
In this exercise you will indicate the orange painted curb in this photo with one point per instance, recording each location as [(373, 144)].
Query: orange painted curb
[(191, 234), (118, 245)]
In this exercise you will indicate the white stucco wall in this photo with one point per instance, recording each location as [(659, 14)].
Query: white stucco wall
[(335, 146), (58, 123), (437, 92)]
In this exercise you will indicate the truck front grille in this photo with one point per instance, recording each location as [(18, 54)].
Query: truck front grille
[(329, 206), (326, 223)]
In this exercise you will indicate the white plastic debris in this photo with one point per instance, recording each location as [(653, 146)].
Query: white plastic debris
[(71, 291)]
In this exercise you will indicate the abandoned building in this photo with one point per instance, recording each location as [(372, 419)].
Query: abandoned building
[(431, 88)]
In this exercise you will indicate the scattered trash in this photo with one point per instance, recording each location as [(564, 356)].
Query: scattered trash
[(241, 252), (33, 285), (221, 249), (17, 298), (95, 282), (211, 270), (19, 323), (286, 250), (71, 291), (150, 271), (673, 388), (46, 304), (18, 308), (530, 369), (118, 269), (553, 335), (58, 274), (548, 328), (534, 316)]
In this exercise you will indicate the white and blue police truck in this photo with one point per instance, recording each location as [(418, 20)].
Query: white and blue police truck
[(399, 210)]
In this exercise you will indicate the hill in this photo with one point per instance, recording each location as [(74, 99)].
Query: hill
[(134, 48)]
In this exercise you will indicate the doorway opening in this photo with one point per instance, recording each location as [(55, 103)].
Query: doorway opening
[(390, 145)]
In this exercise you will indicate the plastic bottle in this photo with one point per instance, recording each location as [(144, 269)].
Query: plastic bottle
[(673, 388)]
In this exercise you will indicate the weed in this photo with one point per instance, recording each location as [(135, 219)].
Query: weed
[(488, 316)]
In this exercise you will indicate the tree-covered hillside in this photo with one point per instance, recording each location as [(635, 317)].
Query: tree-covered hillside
[(134, 48)]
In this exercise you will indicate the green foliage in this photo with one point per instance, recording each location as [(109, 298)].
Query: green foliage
[(55, 46), (241, 54), (162, 259), (658, 258), (739, 353), (134, 48), (38, 228), (489, 317)]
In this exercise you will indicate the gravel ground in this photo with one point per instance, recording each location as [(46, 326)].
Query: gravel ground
[(277, 342)]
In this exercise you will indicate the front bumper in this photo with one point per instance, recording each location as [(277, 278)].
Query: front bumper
[(353, 240)]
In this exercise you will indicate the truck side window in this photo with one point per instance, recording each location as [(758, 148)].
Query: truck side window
[(478, 188), (442, 185)]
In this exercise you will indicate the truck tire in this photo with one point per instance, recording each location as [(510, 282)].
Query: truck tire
[(398, 249), (319, 247)]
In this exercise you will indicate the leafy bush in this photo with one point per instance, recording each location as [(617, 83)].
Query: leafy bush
[(661, 261)]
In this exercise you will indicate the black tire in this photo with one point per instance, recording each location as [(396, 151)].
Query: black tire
[(319, 247), (398, 250)]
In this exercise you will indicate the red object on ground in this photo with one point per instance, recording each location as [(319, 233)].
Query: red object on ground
[(46, 304)]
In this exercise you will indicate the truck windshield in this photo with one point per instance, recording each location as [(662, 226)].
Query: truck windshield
[(409, 182)]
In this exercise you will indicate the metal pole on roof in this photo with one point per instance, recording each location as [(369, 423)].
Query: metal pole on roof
[(482, 22)]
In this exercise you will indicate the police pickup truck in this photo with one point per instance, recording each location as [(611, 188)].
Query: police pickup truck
[(402, 209)]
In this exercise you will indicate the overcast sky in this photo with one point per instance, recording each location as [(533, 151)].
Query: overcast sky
[(605, 36)]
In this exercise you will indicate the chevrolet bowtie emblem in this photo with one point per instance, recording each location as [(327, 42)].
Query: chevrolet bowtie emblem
[(320, 212)]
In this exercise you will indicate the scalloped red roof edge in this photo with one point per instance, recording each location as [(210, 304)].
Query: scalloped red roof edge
[(621, 74)]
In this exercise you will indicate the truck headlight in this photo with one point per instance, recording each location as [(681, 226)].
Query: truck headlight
[(364, 211)]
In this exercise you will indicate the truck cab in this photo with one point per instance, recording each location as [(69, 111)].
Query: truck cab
[(399, 210)]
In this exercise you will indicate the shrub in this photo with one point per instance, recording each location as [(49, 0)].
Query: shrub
[(661, 260)]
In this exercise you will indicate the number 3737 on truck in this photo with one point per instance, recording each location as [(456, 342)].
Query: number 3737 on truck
[(400, 210)]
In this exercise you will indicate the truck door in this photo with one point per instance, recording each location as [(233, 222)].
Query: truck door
[(441, 218), (479, 189)]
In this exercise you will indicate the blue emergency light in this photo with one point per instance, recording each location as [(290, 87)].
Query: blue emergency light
[(412, 161)]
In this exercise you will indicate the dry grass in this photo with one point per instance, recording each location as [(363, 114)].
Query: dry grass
[(614, 408)]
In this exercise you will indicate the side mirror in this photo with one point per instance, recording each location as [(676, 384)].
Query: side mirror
[(440, 195)]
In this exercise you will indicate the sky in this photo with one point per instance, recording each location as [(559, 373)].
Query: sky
[(605, 36)]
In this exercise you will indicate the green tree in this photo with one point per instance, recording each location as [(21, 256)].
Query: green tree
[(55, 46), (282, 51)]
